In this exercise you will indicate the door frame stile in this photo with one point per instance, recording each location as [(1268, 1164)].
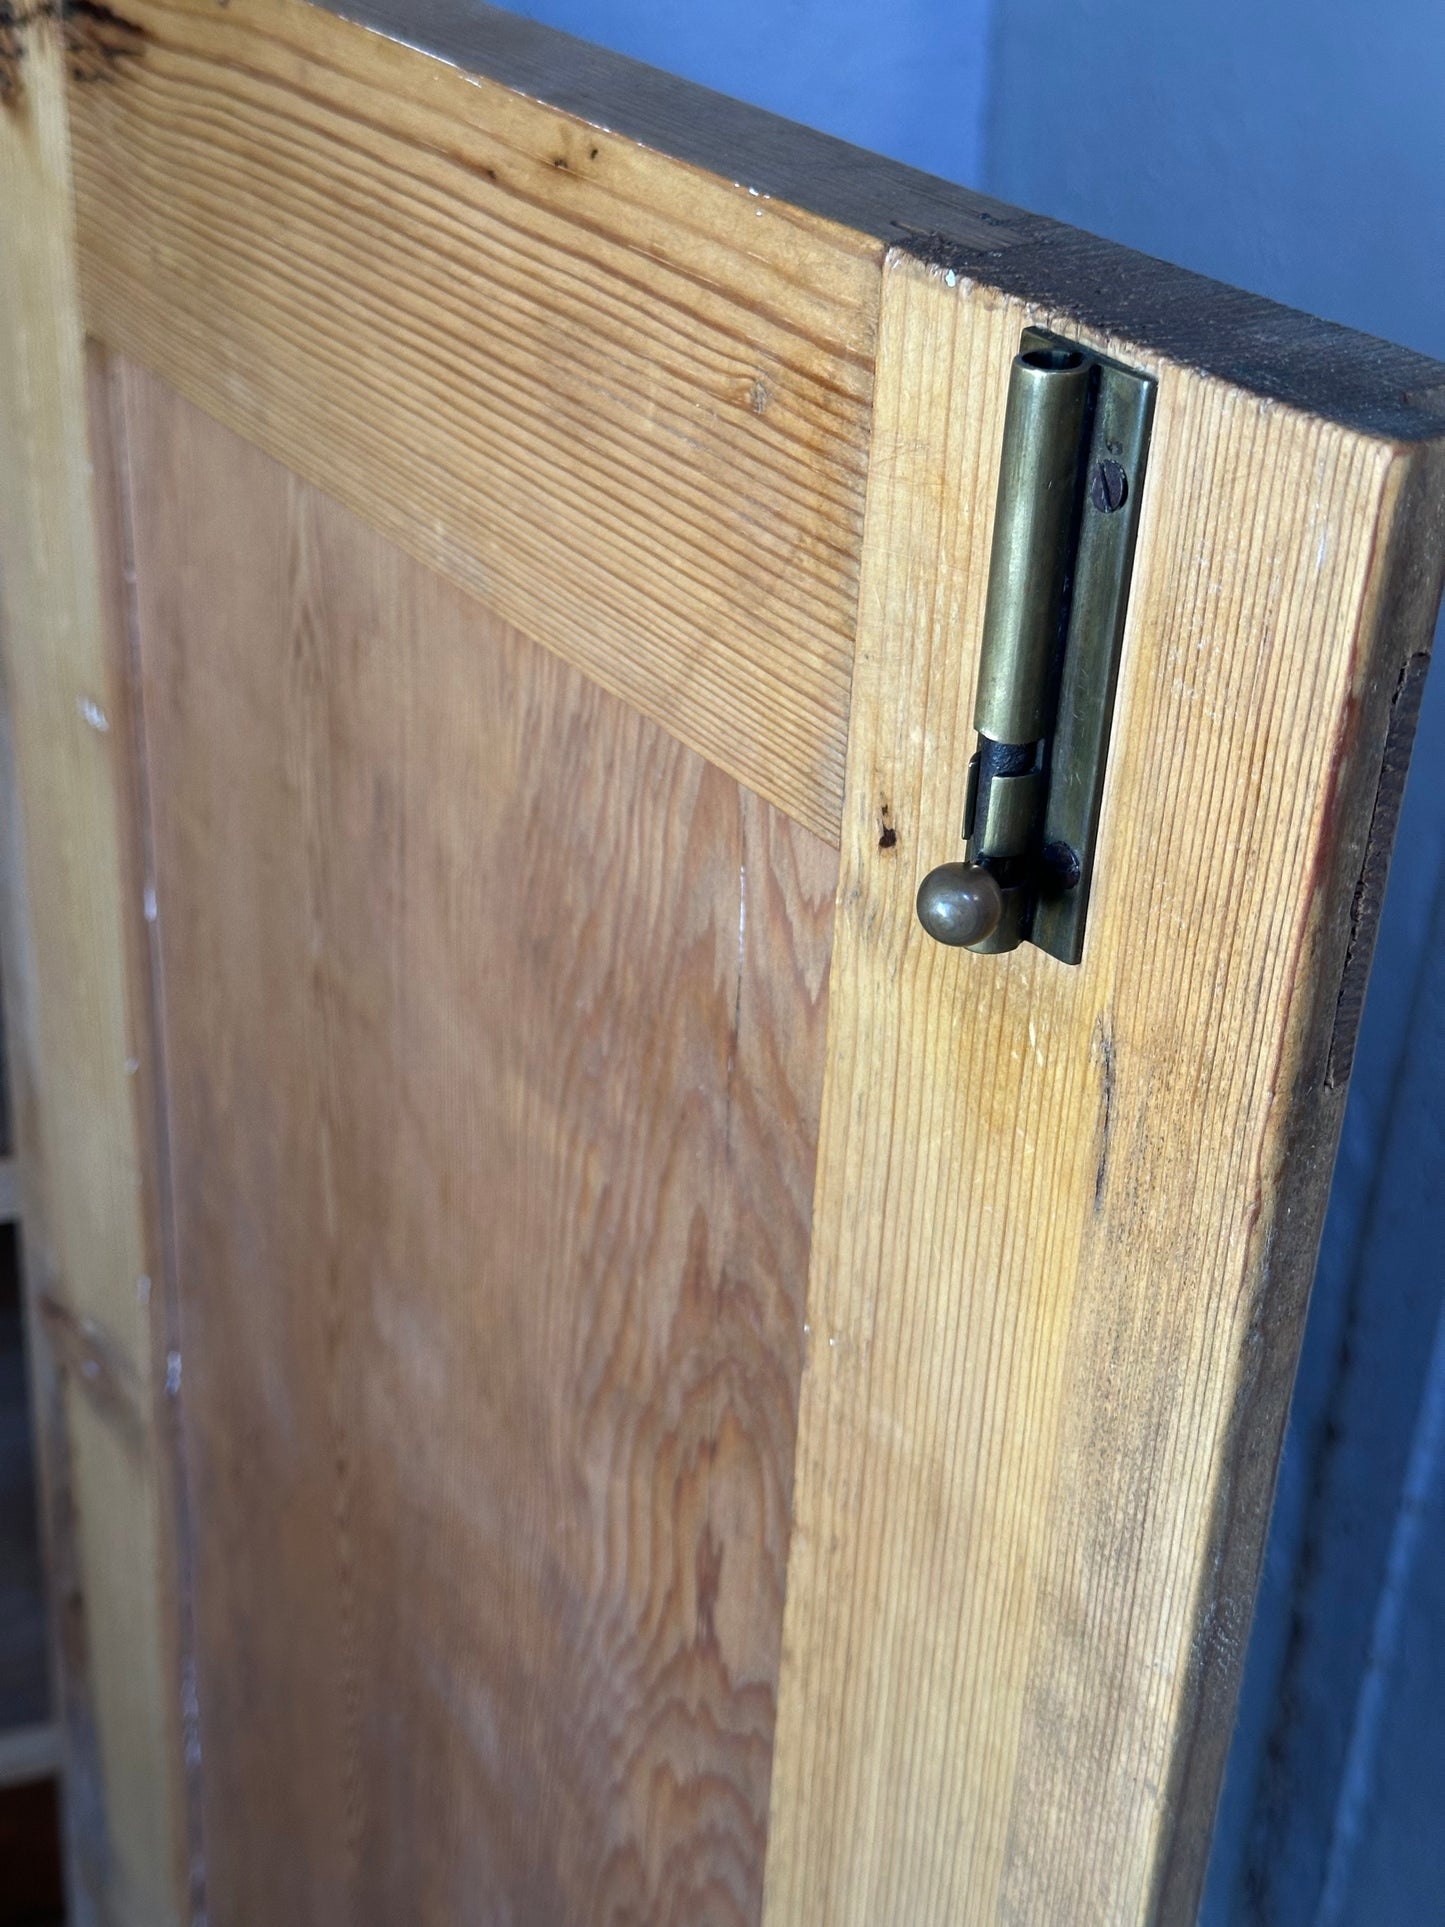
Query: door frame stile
[(1066, 1217), (78, 1040)]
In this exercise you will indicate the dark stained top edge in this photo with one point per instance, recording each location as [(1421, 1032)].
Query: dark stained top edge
[(1357, 380)]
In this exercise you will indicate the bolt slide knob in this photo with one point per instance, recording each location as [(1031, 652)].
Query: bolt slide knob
[(959, 903)]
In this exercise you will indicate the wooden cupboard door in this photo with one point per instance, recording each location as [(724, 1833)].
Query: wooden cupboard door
[(594, 1373)]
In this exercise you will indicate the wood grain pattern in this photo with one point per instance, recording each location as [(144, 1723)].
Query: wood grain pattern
[(594, 343), (1066, 1219), (623, 401), (492, 1002), (494, 1027), (830, 178), (78, 1045)]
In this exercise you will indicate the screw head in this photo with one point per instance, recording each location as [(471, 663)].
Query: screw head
[(1108, 487)]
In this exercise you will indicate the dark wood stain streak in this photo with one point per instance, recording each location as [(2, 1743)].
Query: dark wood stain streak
[(1104, 1056), (494, 1031), (98, 41), (1369, 894), (12, 57), (16, 25)]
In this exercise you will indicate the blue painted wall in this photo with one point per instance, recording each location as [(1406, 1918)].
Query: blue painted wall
[(1292, 146), (1296, 147)]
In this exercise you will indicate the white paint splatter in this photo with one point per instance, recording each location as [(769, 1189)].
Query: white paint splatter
[(951, 279), (132, 1065), (150, 903), (742, 910), (173, 1374), (93, 713)]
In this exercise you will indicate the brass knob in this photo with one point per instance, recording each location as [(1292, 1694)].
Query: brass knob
[(959, 903)]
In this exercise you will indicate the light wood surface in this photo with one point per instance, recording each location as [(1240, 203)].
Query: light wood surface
[(494, 1026), (77, 1043), (1066, 1218), (623, 401)]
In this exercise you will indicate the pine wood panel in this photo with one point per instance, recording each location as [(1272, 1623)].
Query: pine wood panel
[(493, 1023), (624, 401), (78, 1043), (1066, 1218)]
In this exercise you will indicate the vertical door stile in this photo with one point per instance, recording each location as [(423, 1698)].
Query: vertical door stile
[(78, 1020), (1066, 1217)]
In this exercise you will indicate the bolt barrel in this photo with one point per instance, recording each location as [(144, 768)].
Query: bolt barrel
[(1037, 496)]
